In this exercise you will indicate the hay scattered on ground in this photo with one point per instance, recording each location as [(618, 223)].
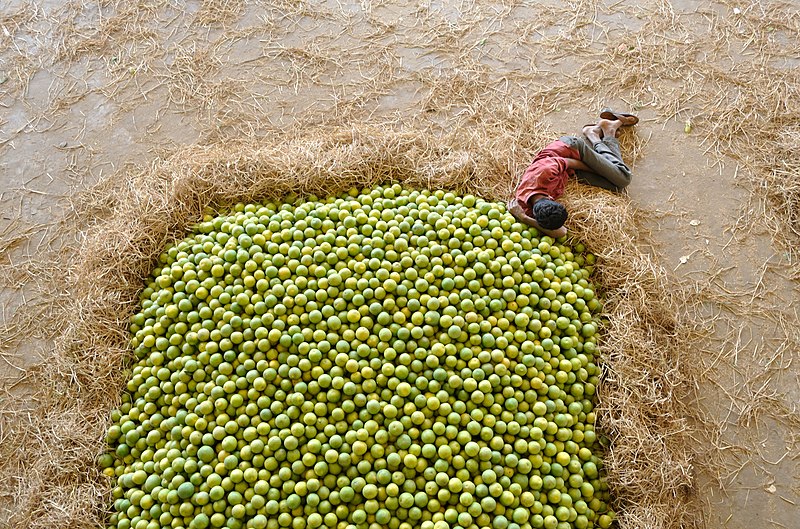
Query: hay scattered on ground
[(644, 400), (472, 68), (730, 72)]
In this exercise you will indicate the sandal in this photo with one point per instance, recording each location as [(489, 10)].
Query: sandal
[(626, 119)]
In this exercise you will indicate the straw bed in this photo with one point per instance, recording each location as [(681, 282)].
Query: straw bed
[(644, 400)]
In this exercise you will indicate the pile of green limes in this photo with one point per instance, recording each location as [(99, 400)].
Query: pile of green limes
[(389, 359)]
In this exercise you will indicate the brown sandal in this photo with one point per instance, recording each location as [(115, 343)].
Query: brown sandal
[(626, 119)]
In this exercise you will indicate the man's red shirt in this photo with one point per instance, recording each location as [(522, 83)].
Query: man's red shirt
[(546, 175)]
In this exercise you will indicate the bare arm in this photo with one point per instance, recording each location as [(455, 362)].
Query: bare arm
[(573, 164), (519, 214)]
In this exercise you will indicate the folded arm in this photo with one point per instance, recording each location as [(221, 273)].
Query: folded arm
[(574, 164), (515, 209)]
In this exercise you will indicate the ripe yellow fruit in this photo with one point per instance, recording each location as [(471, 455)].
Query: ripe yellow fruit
[(386, 356)]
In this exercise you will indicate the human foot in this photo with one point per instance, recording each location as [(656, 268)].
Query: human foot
[(609, 127), (593, 133)]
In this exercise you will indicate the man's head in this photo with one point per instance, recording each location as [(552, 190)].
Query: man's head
[(550, 214)]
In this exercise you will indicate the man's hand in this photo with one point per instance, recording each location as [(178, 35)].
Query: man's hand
[(560, 232), (515, 209), (574, 164)]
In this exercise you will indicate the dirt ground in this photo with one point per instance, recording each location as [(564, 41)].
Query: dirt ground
[(88, 89)]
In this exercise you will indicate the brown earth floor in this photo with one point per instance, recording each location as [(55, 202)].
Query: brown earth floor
[(85, 94)]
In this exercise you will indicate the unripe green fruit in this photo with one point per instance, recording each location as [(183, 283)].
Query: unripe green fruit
[(390, 358)]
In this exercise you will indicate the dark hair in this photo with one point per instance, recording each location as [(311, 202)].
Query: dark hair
[(550, 214)]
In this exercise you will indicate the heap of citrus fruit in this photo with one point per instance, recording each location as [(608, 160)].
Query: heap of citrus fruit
[(389, 359)]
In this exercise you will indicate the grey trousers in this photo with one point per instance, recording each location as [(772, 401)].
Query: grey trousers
[(605, 160)]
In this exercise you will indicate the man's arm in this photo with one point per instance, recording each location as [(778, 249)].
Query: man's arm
[(515, 209), (574, 164)]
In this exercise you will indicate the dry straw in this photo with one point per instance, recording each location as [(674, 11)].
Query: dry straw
[(49, 448), (730, 71)]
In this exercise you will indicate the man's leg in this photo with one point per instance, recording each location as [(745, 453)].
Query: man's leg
[(608, 149), (603, 156)]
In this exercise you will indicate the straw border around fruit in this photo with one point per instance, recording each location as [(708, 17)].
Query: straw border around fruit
[(645, 406)]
